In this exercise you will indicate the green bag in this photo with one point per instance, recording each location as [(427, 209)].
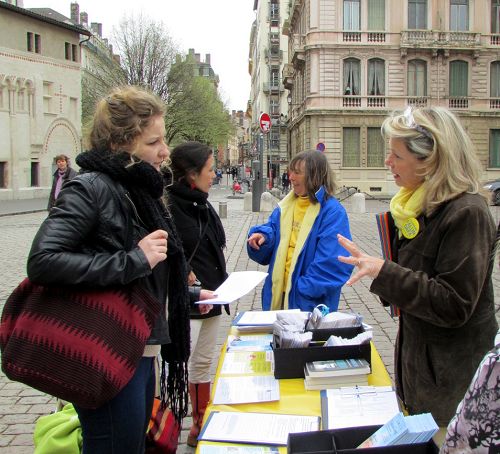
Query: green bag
[(58, 433)]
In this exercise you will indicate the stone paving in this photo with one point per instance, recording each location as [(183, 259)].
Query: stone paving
[(20, 406)]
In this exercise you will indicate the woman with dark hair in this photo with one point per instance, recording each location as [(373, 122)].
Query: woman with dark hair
[(299, 241), (109, 228), (203, 239)]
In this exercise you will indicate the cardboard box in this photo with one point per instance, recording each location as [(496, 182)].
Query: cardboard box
[(345, 441), (290, 362)]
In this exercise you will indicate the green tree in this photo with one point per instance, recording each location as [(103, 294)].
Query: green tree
[(194, 108)]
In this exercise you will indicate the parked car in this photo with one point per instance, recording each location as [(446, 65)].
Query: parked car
[(494, 188)]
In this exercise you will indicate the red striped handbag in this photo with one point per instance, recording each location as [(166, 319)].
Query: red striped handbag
[(82, 346)]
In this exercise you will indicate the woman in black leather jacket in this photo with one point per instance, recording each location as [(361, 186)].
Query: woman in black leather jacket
[(111, 227), (203, 239)]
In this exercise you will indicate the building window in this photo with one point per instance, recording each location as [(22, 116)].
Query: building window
[(48, 88), (74, 52), (495, 80), (38, 44), (417, 14), (417, 78), (495, 148), (350, 152), (459, 79), (352, 80), (375, 148), (67, 51), (376, 77), (275, 77), (376, 15), (351, 15), (274, 13), (35, 174), (459, 15), (3, 174), (33, 42), (495, 16)]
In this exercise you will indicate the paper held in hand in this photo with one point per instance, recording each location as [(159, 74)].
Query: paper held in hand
[(238, 284)]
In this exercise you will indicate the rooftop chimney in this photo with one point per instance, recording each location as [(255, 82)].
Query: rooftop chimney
[(207, 59), (96, 27), (75, 13), (84, 19)]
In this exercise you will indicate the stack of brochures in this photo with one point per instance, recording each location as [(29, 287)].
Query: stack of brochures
[(336, 373), (402, 430), (258, 321)]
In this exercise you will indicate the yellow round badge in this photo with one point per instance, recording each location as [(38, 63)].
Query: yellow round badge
[(410, 228)]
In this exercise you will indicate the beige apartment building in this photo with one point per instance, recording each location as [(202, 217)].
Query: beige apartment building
[(40, 99), (351, 62), (268, 55)]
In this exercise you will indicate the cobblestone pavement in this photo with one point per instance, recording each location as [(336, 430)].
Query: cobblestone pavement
[(20, 406)]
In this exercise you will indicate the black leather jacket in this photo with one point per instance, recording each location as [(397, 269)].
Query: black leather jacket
[(90, 238)]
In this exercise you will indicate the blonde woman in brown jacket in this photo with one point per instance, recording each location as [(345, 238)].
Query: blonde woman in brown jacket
[(443, 254)]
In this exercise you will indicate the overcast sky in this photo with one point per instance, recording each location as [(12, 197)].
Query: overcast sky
[(220, 28)]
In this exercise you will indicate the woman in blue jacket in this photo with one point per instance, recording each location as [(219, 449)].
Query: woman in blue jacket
[(299, 241)]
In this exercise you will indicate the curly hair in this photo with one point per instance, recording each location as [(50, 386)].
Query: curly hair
[(122, 116)]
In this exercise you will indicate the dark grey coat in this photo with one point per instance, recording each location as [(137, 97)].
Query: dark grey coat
[(441, 281)]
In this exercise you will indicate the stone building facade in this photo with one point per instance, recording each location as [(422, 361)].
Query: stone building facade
[(40, 99), (352, 62)]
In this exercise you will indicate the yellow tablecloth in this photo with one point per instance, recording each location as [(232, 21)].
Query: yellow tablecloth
[(294, 398)]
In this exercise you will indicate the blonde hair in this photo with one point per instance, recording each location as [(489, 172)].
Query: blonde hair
[(317, 173), (122, 116), (450, 166)]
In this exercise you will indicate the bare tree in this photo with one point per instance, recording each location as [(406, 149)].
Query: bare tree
[(146, 51)]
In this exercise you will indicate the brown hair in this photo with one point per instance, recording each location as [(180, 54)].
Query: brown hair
[(317, 173), (61, 157), (122, 116)]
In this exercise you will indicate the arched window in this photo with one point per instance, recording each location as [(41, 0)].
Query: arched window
[(417, 78), (352, 80), (376, 77)]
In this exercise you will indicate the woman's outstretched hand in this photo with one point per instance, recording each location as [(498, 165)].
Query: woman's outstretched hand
[(256, 240), (366, 264)]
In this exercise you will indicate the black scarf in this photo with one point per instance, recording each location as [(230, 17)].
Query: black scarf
[(185, 192), (145, 185)]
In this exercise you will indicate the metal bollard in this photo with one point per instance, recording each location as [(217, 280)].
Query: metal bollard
[(223, 210)]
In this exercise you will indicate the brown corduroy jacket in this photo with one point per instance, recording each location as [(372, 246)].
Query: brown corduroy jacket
[(441, 281)]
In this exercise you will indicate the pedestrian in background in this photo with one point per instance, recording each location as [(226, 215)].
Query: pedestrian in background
[(299, 241), (443, 254), (112, 229), (203, 239), (285, 181), (63, 173)]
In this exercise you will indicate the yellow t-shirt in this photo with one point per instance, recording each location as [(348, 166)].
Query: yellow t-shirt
[(301, 206)]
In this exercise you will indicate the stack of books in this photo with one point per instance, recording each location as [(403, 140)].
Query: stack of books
[(336, 373), (402, 430)]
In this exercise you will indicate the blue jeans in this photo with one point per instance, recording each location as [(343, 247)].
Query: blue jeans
[(119, 426)]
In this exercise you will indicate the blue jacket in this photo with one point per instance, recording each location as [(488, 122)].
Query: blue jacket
[(316, 276)]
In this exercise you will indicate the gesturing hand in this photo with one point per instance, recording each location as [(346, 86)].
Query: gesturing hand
[(256, 240), (367, 265), (154, 247)]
